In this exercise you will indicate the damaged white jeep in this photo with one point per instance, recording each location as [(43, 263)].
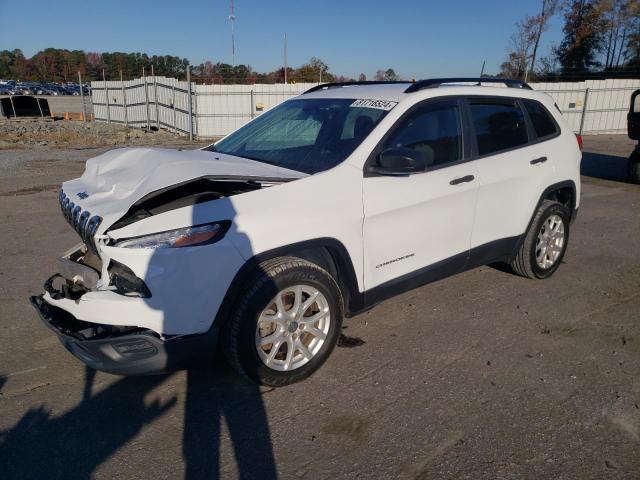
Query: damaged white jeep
[(319, 208)]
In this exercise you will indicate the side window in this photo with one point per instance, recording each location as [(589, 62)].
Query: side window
[(360, 122), (543, 123), (434, 131), (499, 125)]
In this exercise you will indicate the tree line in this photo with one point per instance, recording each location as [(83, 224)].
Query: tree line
[(601, 38), (61, 65)]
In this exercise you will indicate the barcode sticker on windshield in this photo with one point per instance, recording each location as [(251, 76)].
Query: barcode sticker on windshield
[(369, 103)]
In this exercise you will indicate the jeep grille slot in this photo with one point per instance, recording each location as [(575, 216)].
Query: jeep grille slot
[(81, 220)]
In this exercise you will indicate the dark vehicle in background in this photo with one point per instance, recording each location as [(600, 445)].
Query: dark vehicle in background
[(633, 130), (26, 89)]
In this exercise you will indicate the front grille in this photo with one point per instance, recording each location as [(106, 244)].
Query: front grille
[(81, 221)]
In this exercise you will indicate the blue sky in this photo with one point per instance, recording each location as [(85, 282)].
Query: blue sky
[(417, 38)]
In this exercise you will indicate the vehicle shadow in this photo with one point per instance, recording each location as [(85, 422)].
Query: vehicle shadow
[(607, 167), (73, 445), (214, 394)]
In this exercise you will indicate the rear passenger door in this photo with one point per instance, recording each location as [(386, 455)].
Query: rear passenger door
[(514, 168)]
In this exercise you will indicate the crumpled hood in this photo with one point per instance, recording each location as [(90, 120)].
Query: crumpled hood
[(114, 181)]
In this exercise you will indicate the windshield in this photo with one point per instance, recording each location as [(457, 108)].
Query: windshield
[(309, 136)]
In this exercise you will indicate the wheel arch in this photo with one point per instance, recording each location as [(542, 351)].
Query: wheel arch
[(563, 192), (327, 253)]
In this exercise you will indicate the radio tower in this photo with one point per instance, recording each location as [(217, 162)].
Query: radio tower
[(232, 18)]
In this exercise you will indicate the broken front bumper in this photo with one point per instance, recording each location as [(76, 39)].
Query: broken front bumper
[(123, 350)]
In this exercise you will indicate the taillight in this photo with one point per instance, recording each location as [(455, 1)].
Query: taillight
[(579, 138)]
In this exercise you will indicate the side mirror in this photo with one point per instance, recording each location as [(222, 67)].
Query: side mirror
[(399, 161), (633, 118)]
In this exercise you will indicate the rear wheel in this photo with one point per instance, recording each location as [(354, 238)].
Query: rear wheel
[(286, 324), (544, 245)]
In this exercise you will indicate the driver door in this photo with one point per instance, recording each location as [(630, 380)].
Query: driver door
[(418, 227)]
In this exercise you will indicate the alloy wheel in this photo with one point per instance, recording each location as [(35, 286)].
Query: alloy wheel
[(291, 330), (550, 242)]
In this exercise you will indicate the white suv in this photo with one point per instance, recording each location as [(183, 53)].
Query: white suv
[(317, 209)]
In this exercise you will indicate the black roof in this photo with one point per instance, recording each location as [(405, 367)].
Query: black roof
[(428, 83)]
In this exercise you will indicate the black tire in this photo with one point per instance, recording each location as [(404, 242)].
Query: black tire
[(271, 277), (633, 171), (524, 263)]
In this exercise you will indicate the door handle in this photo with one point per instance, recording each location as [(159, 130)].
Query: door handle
[(538, 160), (465, 179)]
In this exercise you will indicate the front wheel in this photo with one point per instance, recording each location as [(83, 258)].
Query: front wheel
[(286, 324), (545, 243)]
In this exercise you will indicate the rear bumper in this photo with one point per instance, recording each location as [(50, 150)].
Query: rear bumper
[(133, 351)]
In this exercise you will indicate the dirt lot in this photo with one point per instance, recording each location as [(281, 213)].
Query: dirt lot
[(482, 375), (29, 133)]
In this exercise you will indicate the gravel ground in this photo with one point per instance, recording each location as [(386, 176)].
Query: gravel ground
[(28, 133), (481, 375)]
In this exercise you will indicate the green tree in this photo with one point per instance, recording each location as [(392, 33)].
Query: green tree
[(583, 37), (388, 75)]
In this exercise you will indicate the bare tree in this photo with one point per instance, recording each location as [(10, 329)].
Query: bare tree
[(362, 77), (521, 44), (547, 65), (632, 56), (620, 21), (541, 23)]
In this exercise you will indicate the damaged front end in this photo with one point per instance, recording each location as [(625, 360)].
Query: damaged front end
[(120, 350), (141, 293), (117, 349)]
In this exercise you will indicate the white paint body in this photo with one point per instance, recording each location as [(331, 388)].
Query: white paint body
[(377, 219)]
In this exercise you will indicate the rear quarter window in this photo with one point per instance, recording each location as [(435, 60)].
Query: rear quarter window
[(543, 123)]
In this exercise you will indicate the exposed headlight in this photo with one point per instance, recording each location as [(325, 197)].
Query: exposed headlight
[(182, 237)]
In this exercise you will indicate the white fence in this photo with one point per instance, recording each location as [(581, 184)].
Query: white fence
[(145, 102), (215, 110), (593, 106), (207, 111)]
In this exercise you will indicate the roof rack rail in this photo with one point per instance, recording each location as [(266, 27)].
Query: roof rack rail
[(436, 82), (326, 86)]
